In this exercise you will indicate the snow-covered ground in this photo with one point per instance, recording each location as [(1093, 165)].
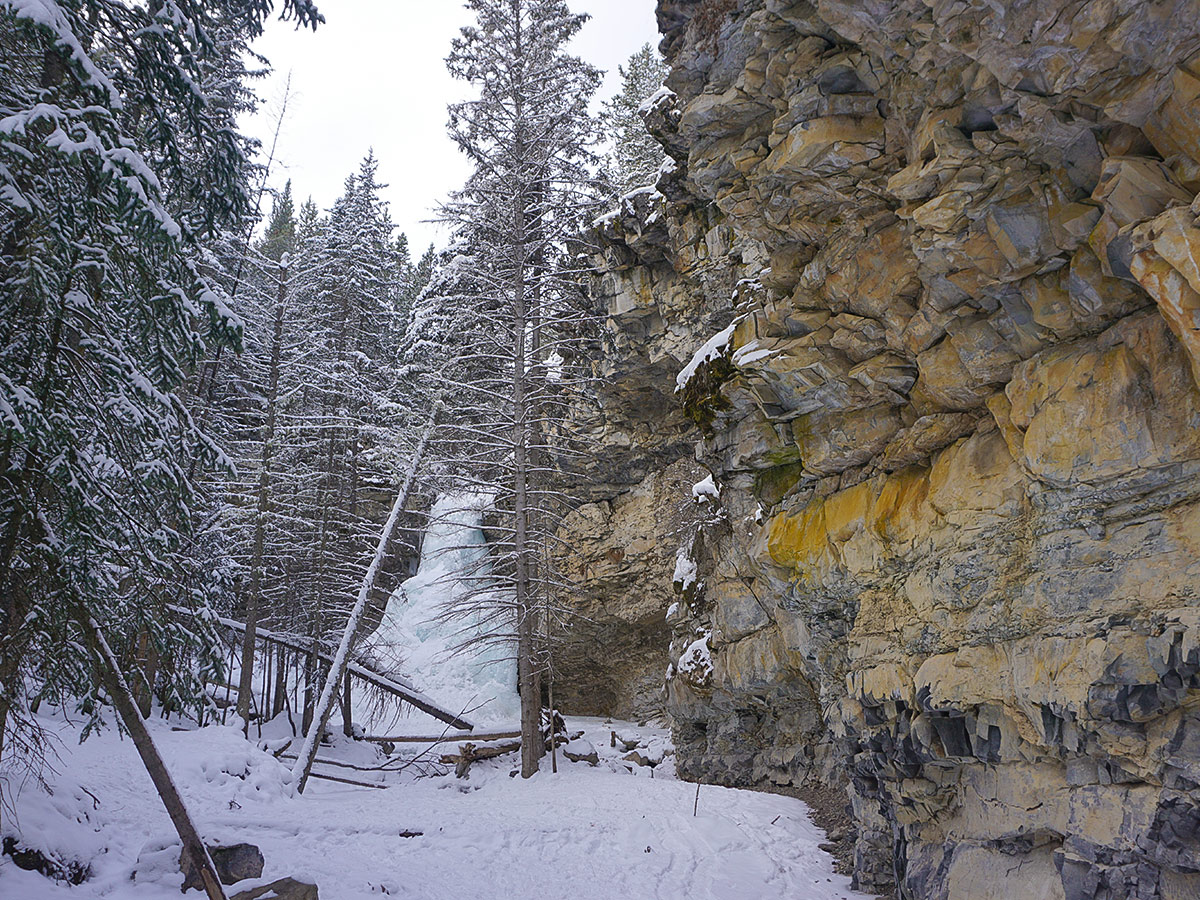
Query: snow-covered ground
[(617, 829), (614, 830)]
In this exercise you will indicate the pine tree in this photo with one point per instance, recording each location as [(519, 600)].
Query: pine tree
[(326, 374), (278, 245), (118, 160), (527, 135), (635, 157)]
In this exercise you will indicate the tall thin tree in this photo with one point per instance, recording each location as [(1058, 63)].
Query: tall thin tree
[(528, 136)]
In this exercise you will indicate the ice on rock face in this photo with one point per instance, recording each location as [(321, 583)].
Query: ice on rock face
[(481, 680)]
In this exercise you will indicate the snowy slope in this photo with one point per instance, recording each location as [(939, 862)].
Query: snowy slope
[(589, 833)]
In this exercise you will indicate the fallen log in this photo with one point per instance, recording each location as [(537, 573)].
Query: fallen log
[(381, 787), (194, 849), (395, 687), (469, 752), (334, 762), (440, 738)]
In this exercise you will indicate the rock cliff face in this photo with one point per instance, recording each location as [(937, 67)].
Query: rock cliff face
[(950, 254)]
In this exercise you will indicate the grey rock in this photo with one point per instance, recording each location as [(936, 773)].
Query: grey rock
[(233, 862), (954, 568)]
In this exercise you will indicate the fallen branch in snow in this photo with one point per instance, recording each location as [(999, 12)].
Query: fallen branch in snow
[(334, 762), (278, 753), (440, 738), (321, 777)]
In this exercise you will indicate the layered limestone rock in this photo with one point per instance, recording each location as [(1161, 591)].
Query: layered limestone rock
[(949, 252)]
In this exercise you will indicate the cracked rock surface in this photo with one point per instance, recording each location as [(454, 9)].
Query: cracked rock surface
[(955, 432)]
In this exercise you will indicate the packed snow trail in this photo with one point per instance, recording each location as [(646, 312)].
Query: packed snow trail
[(452, 566), (589, 833)]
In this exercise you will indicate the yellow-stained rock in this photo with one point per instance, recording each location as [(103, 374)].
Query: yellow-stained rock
[(955, 567)]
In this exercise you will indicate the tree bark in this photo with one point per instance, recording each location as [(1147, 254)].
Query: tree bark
[(310, 681), (281, 675), (122, 699), (527, 676), (147, 666)]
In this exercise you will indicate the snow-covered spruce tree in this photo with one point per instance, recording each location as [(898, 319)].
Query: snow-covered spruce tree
[(634, 157), (263, 362), (249, 524), (528, 135), (112, 115), (336, 423)]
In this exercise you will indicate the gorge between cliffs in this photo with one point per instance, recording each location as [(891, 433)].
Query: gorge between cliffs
[(600, 449), (919, 290)]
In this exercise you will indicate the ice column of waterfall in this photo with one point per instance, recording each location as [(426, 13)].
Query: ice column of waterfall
[(451, 568)]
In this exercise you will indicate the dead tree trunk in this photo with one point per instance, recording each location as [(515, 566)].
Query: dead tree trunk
[(281, 675), (347, 721), (527, 674), (310, 682), (122, 698)]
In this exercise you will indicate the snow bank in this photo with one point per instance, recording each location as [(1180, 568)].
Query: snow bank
[(247, 775)]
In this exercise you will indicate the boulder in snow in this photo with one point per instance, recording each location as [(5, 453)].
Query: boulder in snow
[(580, 750), (234, 863), (33, 860), (645, 756), (626, 740)]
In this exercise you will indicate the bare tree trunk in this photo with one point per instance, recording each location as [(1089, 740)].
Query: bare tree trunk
[(527, 680), (254, 595), (310, 688), (122, 699), (12, 616), (281, 674), (147, 665), (550, 700)]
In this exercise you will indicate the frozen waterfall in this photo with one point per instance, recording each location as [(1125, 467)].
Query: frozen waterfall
[(479, 681)]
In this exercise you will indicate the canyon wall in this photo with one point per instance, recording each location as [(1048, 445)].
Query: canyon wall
[(941, 262)]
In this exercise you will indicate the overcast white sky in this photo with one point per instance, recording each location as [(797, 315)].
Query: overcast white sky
[(374, 76)]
